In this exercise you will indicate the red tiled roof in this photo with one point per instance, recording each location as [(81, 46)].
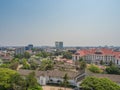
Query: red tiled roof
[(103, 51), (117, 55)]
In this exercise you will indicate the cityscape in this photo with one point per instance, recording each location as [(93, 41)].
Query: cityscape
[(62, 60), (59, 45)]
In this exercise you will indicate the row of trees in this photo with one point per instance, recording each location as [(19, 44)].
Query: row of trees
[(15, 63), (44, 54), (103, 63), (65, 54)]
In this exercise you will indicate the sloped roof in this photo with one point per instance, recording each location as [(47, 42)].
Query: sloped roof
[(104, 51), (50, 73)]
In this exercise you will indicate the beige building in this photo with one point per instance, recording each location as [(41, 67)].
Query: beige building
[(97, 55)]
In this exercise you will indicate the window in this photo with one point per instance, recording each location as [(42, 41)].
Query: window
[(75, 57)]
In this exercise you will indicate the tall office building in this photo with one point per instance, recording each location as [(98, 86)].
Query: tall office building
[(30, 46), (59, 45)]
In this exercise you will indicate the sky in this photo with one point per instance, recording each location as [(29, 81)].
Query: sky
[(75, 22)]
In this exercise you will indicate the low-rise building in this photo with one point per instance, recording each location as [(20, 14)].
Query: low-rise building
[(5, 57), (55, 76)]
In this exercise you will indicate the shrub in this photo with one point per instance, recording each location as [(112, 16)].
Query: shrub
[(113, 70), (94, 69)]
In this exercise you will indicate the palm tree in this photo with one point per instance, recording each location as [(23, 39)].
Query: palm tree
[(65, 80)]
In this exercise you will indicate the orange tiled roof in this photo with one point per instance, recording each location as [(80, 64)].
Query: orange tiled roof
[(103, 51)]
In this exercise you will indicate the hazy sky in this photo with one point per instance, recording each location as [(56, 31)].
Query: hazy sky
[(75, 22)]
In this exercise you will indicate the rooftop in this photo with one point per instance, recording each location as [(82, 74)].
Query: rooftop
[(50, 73), (102, 51)]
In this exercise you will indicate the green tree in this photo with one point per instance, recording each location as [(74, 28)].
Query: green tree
[(5, 78), (17, 82), (11, 80), (15, 60), (46, 65), (81, 59), (83, 65), (111, 63), (80, 64), (33, 65), (7, 65), (67, 55), (93, 83), (43, 54), (113, 70), (31, 82), (20, 56), (26, 55), (101, 62), (35, 88), (57, 53), (65, 81), (25, 64)]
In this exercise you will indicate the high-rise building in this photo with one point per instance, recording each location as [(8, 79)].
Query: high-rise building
[(30, 46), (59, 45)]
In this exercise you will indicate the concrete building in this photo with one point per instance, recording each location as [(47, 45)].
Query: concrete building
[(58, 45), (20, 50), (96, 55)]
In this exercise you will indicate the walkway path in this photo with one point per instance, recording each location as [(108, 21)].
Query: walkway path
[(54, 88)]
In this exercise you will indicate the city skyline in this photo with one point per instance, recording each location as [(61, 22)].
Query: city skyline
[(75, 22)]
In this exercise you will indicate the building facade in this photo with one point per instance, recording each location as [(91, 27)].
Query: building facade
[(58, 45), (97, 55), (20, 51)]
